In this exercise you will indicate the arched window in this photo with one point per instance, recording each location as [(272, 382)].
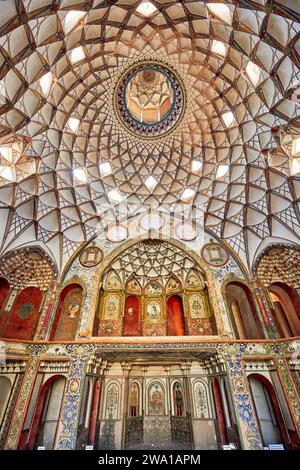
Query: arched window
[(23, 318), (175, 316), (67, 315), (45, 421), (286, 309), (132, 316), (242, 311)]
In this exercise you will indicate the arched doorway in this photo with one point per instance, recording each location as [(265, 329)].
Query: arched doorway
[(286, 309), (220, 413), (45, 421), (270, 419), (23, 319), (243, 314), (175, 316), (94, 413), (132, 317), (67, 315)]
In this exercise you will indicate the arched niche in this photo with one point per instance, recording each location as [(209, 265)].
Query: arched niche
[(144, 267), (132, 316), (175, 316), (156, 398), (286, 309), (47, 413), (268, 412), (24, 316), (242, 310), (202, 408), (112, 400), (68, 313), (4, 291)]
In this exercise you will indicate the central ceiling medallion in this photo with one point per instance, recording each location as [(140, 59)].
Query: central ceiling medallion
[(149, 99)]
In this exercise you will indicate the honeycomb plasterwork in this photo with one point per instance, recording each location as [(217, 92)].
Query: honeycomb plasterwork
[(257, 198)]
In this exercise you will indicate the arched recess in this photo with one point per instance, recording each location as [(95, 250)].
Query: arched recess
[(156, 398), (286, 309), (132, 317), (5, 392), (175, 316), (4, 291), (112, 400), (24, 316), (268, 412), (68, 312), (126, 248), (47, 413), (243, 314)]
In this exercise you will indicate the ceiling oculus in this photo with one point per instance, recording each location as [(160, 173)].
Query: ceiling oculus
[(149, 100)]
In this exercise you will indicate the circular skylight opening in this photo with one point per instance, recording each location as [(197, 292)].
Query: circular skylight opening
[(151, 222), (149, 99), (117, 233), (186, 231), (149, 96)]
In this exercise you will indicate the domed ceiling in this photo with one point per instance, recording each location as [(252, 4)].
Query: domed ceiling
[(66, 151)]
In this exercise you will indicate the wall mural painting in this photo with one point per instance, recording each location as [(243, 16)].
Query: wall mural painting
[(132, 317), (173, 285), (154, 311), (134, 400), (156, 399), (178, 399), (113, 281), (193, 281), (153, 288), (176, 326), (24, 316), (112, 402), (197, 306), (68, 313), (200, 400), (133, 287), (111, 307)]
